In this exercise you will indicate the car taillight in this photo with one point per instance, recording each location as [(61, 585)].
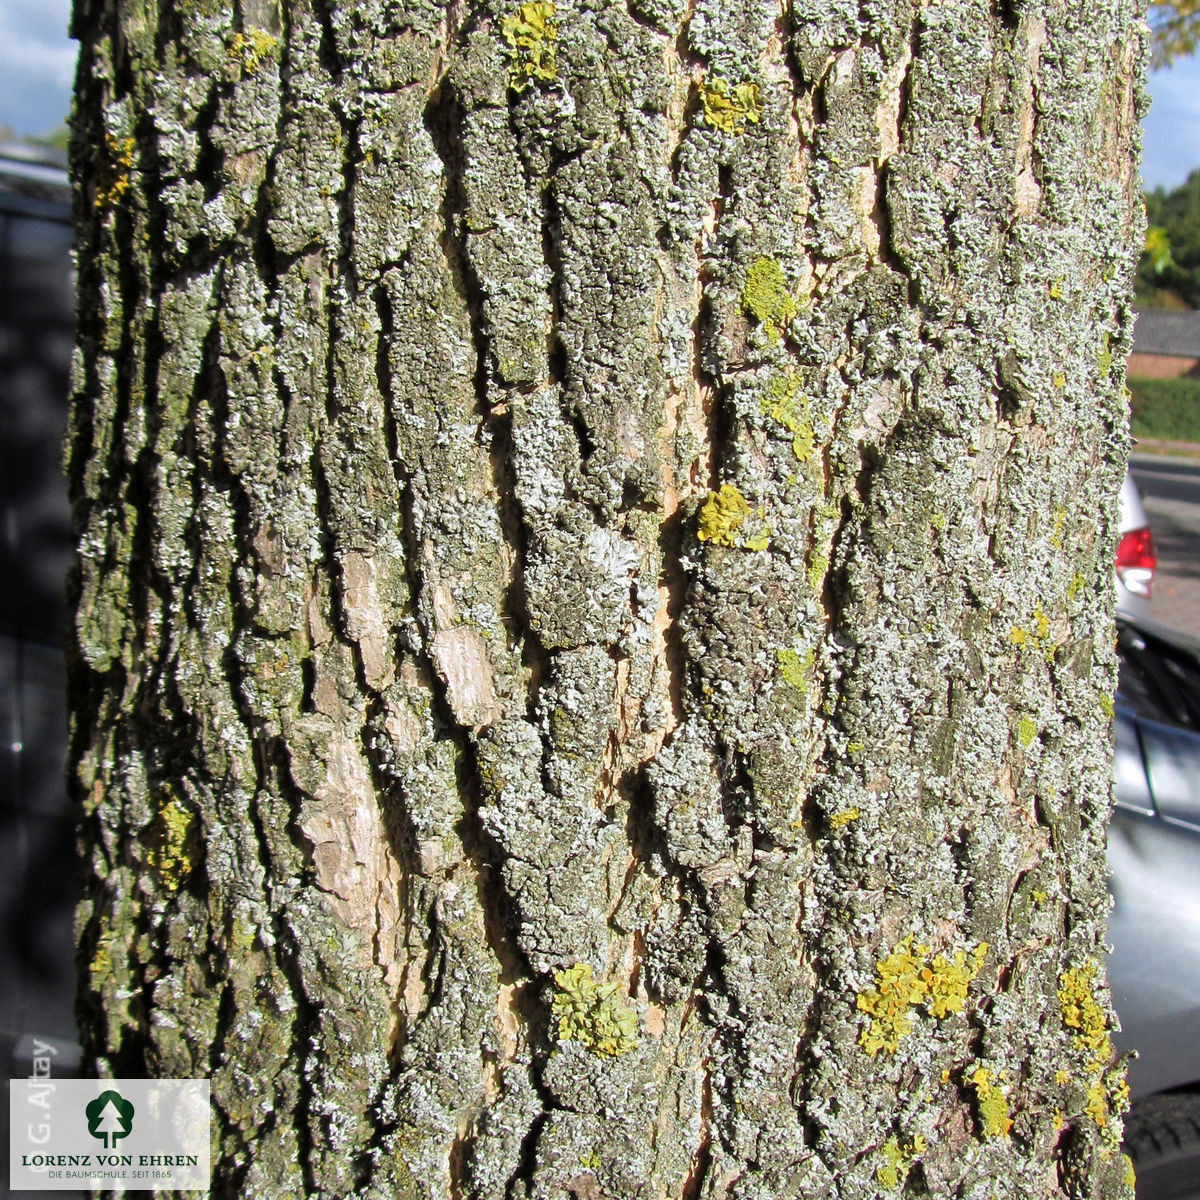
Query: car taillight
[(1136, 561)]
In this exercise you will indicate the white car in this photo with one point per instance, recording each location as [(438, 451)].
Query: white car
[(1135, 553)]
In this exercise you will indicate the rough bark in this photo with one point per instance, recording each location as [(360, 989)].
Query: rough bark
[(614, 495)]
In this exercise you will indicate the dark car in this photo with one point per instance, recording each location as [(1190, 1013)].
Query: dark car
[(37, 834), (1154, 864)]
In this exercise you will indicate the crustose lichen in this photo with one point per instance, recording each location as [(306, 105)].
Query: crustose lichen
[(591, 1012)]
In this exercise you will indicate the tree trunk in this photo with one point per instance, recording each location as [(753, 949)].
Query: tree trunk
[(594, 608)]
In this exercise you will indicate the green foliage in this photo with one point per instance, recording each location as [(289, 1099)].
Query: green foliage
[(1169, 271), (1165, 408), (1157, 249), (1174, 30)]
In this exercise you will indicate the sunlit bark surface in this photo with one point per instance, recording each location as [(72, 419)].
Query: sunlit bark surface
[(594, 650)]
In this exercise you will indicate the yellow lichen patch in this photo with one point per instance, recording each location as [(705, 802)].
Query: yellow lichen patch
[(1130, 1179), (722, 517), (248, 51), (729, 108), (897, 1157), (949, 979), (990, 1104), (1096, 1106), (843, 817), (101, 966), (766, 298), (591, 1012), (784, 403), (1036, 636), (112, 173), (1027, 730), (1082, 1013), (1060, 517), (1107, 1091), (758, 541), (530, 34), (173, 844), (906, 980), (818, 564), (590, 1161), (794, 669)]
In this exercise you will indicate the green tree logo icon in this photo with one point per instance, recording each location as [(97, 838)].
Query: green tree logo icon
[(109, 1117)]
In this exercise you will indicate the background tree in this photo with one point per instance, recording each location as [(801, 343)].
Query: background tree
[(1174, 30), (594, 635), (1169, 271)]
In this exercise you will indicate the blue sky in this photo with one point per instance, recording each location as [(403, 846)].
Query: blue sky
[(37, 60)]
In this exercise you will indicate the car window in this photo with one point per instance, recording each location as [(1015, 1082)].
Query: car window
[(1158, 680)]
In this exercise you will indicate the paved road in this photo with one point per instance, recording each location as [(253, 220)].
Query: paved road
[(1170, 490)]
